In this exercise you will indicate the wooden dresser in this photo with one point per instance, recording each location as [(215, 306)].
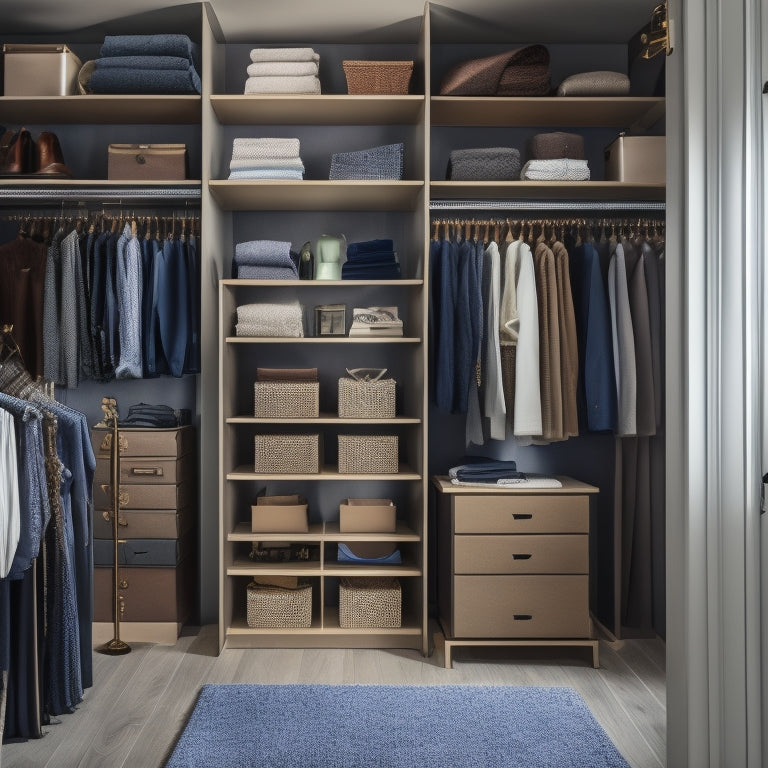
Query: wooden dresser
[(513, 565)]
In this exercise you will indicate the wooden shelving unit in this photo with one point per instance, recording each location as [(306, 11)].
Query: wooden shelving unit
[(546, 190)]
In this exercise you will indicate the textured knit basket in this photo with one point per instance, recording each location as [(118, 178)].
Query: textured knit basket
[(273, 607), (377, 163), (368, 454), (288, 454), (286, 399), (366, 399), (368, 602), (377, 76)]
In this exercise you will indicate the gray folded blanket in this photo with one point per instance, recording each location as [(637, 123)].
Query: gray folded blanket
[(377, 163), (555, 170), (274, 253), (259, 272), (152, 45), (484, 164)]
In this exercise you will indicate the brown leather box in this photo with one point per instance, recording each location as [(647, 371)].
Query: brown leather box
[(148, 470), (176, 442), (147, 162), (148, 594), (145, 496), (145, 523)]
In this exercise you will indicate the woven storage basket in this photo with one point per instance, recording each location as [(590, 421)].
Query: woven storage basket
[(289, 454), (270, 606), (366, 399), (377, 76), (368, 454), (377, 163), (286, 399), (366, 602)]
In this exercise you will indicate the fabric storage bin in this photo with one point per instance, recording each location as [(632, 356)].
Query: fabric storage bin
[(289, 454), (637, 160), (39, 70), (385, 162), (360, 399), (368, 602), (270, 606), (372, 77), (147, 162), (368, 454), (286, 399)]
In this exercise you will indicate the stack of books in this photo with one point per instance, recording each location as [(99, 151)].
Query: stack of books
[(376, 321)]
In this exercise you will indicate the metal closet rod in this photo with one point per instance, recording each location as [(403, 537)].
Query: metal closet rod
[(114, 195), (615, 206)]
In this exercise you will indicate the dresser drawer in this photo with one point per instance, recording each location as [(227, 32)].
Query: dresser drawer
[(145, 523), (145, 496), (567, 553), (521, 606), (148, 470), (172, 442), (521, 514)]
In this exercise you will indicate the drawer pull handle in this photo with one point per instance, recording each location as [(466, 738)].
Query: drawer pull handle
[(521, 516), (521, 557), (154, 471), (522, 616)]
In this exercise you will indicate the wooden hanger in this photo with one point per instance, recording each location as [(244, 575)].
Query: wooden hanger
[(9, 348)]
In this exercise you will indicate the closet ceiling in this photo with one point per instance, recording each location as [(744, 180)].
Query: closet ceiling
[(279, 21)]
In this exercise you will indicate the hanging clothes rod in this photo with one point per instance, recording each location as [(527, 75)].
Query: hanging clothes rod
[(548, 205), (179, 195)]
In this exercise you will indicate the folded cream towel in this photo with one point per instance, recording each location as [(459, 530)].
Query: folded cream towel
[(275, 319), (292, 163), (282, 68), (265, 149), (555, 170), (284, 54), (305, 84), (267, 173)]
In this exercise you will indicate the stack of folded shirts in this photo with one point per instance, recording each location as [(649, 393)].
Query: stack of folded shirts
[(371, 260), (484, 164), (283, 70), (562, 169), (495, 472), (266, 159), (166, 64), (275, 319), (265, 260)]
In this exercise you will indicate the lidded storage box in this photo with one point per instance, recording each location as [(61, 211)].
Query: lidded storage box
[(289, 454), (370, 602), (368, 454), (637, 160), (39, 70), (361, 399), (270, 606)]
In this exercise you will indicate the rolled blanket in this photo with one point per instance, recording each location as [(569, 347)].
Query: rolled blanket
[(282, 68), (555, 170), (143, 62), (601, 83), (259, 272), (484, 164), (284, 54), (369, 246), (270, 319), (287, 163), (275, 253), (267, 173), (307, 84), (145, 81), (520, 72), (151, 45), (556, 145), (385, 162), (265, 149)]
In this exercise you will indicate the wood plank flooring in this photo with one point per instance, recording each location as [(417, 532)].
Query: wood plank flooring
[(140, 702)]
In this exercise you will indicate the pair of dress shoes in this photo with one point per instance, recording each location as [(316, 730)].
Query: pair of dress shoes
[(19, 154)]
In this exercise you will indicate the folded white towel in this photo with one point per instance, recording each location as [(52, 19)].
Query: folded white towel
[(286, 163), (282, 68), (276, 319), (305, 84), (555, 170), (284, 54), (265, 149)]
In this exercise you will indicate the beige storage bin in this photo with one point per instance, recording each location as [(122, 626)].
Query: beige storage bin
[(366, 399), (272, 607), (286, 399), (368, 454), (368, 602), (367, 516), (280, 514), (637, 160), (39, 70), (288, 454)]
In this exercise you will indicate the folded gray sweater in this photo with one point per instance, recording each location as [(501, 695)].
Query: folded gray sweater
[(484, 164)]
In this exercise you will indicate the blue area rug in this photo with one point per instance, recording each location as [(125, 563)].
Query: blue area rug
[(361, 726)]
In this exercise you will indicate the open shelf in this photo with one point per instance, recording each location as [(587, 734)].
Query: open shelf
[(245, 472), (316, 109), (324, 418), (246, 567), (320, 532), (322, 340), (546, 190), (318, 284)]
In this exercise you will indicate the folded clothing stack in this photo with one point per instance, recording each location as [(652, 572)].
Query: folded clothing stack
[(270, 319), (600, 83), (496, 472), (165, 64), (371, 260), (561, 169), (157, 416), (377, 163), (484, 164), (283, 70), (265, 260), (266, 159)]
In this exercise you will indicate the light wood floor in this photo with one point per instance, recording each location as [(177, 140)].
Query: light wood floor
[(140, 702)]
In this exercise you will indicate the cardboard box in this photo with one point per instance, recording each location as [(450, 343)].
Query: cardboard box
[(40, 70), (175, 441), (145, 523), (367, 516), (636, 160), (280, 514), (148, 470)]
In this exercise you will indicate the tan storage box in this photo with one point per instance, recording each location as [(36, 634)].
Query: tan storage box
[(366, 399), (145, 496), (39, 70), (270, 606), (367, 516), (368, 454), (280, 514), (175, 441), (153, 470), (287, 454), (636, 160), (147, 162), (286, 399), (368, 602), (145, 523)]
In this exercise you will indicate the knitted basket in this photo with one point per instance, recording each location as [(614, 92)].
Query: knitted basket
[(288, 454), (385, 162), (365, 77), (366, 399), (369, 602), (269, 606), (368, 454), (286, 399)]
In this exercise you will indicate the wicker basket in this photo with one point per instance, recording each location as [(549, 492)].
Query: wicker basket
[(270, 606), (288, 454), (286, 399), (366, 399), (368, 454), (365, 77), (367, 602)]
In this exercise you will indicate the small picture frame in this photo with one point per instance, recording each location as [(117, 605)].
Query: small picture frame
[(331, 320)]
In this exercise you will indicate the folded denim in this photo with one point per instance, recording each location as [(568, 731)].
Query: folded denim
[(369, 246), (284, 54), (160, 416), (282, 69), (392, 272), (145, 81), (267, 173), (265, 149), (371, 258), (151, 45), (305, 84)]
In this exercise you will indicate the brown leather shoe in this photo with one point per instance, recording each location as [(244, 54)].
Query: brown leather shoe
[(16, 151), (48, 155)]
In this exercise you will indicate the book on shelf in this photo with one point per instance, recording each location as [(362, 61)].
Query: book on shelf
[(376, 321)]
